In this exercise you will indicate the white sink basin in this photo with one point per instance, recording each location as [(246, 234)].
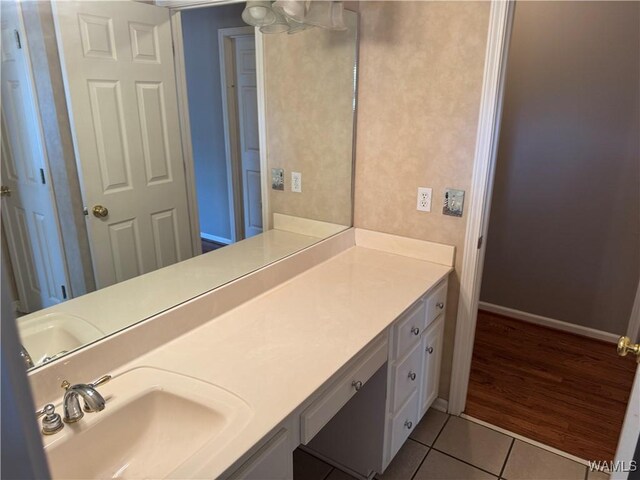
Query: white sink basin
[(54, 333), (154, 423)]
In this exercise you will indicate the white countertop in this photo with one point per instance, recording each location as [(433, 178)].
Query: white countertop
[(276, 350)]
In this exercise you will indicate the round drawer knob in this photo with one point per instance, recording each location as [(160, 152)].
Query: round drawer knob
[(357, 385), (412, 376), (415, 331), (430, 350), (440, 305), (408, 424)]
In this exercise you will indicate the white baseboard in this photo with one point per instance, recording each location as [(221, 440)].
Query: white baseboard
[(440, 404), (550, 322), (215, 238)]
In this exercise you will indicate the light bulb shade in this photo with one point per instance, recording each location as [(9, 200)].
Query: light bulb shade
[(279, 26), (325, 14), (295, 27), (258, 14), (291, 9)]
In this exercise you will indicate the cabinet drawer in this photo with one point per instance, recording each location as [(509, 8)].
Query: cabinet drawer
[(407, 331), (338, 394), (436, 303), (403, 423), (406, 376)]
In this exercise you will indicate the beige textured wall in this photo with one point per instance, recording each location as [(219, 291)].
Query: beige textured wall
[(421, 66), (309, 85)]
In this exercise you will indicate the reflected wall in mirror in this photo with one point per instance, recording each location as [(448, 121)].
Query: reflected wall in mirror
[(136, 137)]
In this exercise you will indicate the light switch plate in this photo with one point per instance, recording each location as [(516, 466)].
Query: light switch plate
[(453, 202), (296, 182), (277, 178)]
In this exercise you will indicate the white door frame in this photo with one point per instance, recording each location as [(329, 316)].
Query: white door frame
[(230, 122), (500, 22), (185, 126)]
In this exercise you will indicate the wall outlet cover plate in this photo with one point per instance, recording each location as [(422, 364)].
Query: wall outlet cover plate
[(453, 202), (296, 182), (277, 178)]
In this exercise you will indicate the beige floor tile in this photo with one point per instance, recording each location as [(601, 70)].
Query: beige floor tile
[(475, 444), (308, 467), (406, 462), (597, 476), (528, 462), (340, 475), (429, 427), (438, 466)]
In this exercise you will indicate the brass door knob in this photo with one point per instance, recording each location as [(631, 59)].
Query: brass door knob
[(626, 346), (99, 211), (5, 191)]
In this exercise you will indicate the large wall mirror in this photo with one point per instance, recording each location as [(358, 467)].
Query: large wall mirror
[(153, 153)]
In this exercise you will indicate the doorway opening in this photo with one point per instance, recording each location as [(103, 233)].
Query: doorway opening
[(220, 70), (562, 261)]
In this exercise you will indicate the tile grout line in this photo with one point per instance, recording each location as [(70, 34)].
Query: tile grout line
[(329, 473), (430, 447), (465, 462), (525, 439), (504, 465)]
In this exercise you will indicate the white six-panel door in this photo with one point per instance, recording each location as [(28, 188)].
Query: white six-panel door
[(28, 213), (119, 76), (246, 91)]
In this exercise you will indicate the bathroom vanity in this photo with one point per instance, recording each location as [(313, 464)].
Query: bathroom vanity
[(340, 352)]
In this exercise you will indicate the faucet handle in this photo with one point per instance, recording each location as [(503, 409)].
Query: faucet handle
[(52, 422), (101, 381)]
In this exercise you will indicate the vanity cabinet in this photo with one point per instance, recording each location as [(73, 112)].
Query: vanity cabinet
[(361, 418), (273, 461), (365, 435)]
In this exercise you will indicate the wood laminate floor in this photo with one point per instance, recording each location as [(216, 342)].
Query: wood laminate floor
[(560, 389)]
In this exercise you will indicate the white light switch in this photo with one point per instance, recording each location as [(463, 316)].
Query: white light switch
[(296, 182), (424, 199)]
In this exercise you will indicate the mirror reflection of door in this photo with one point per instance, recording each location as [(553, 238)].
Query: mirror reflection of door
[(121, 93), (29, 218)]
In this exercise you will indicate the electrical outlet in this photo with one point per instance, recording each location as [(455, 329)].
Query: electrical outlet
[(296, 182), (424, 199)]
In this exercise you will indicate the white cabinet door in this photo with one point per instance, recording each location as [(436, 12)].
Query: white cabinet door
[(432, 348), (117, 62)]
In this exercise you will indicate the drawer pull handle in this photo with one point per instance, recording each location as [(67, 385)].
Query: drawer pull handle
[(408, 424), (357, 385), (412, 376), (429, 350), (440, 305), (415, 331)]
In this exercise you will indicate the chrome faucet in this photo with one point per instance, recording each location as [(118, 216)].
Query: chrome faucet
[(26, 358), (93, 401)]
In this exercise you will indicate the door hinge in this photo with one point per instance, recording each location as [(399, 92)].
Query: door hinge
[(18, 41), (44, 181), (480, 242), (64, 291)]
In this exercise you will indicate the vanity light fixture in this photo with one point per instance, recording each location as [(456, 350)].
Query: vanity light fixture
[(293, 16), (258, 14)]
